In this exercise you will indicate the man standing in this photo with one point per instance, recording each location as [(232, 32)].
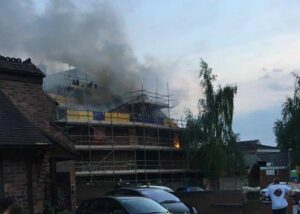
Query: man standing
[(278, 192)]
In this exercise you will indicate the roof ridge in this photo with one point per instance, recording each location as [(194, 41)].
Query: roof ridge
[(16, 64)]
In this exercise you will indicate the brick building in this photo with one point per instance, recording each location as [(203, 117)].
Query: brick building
[(264, 162), (32, 148)]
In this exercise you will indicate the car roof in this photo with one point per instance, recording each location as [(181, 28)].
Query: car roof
[(114, 197), (136, 188), (158, 187)]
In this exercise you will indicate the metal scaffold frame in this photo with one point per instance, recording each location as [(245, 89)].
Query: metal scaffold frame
[(143, 98)]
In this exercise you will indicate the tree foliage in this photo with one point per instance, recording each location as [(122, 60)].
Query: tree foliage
[(287, 130), (211, 140)]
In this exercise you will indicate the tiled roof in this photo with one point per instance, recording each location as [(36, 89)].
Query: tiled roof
[(251, 145), (32, 101), (277, 159), (15, 129), (251, 159)]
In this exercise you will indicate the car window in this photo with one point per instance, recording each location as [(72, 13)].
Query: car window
[(142, 205), (159, 195)]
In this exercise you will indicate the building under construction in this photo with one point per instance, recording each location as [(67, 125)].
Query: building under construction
[(135, 142)]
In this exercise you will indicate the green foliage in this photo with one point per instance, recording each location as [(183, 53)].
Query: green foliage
[(287, 130), (211, 142)]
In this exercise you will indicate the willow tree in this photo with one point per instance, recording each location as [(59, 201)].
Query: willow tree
[(211, 140), (287, 130)]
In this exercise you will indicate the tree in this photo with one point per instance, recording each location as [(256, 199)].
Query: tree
[(287, 129), (211, 142)]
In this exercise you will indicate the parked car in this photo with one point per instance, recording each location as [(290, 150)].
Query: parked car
[(166, 199), (121, 205), (168, 189), (190, 189)]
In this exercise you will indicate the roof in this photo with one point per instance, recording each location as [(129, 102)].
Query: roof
[(17, 66), (277, 159), (251, 145), (251, 159), (15, 129), (15, 70)]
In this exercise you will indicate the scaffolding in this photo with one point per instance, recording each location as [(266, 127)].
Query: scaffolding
[(137, 127)]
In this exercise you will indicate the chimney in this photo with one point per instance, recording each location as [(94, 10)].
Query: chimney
[(21, 81), (14, 69)]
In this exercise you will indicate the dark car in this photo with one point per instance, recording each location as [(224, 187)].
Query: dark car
[(166, 199), (121, 205), (190, 189)]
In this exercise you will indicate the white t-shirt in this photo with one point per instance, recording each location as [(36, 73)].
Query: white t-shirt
[(277, 193)]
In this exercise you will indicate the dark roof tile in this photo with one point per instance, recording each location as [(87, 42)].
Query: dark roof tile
[(251, 145), (277, 159), (15, 129)]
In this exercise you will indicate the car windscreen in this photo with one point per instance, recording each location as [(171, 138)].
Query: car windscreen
[(142, 206), (194, 189), (160, 196)]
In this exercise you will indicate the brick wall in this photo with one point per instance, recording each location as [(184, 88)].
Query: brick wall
[(30, 99), (42, 170), (16, 182)]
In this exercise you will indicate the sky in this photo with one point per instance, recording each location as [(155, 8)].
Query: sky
[(251, 44)]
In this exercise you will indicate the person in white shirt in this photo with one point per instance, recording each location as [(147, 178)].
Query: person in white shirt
[(278, 193)]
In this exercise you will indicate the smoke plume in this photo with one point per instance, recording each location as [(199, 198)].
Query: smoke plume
[(91, 40)]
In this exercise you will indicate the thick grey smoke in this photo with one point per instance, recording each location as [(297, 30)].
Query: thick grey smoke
[(91, 40)]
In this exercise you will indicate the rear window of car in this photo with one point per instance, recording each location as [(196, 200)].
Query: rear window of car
[(142, 205), (159, 195)]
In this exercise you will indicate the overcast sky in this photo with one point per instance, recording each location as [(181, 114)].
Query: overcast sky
[(253, 44)]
